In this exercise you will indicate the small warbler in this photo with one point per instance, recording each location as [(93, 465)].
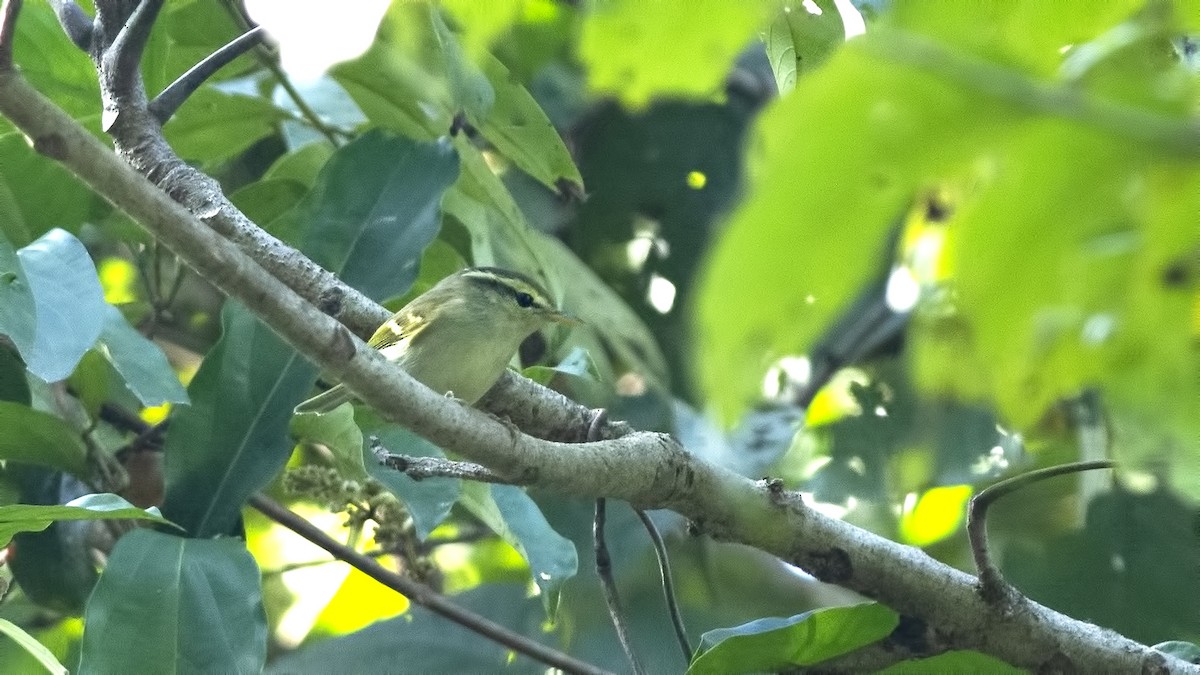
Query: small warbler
[(458, 337)]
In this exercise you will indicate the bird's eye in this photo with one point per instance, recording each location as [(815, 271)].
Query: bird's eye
[(524, 299)]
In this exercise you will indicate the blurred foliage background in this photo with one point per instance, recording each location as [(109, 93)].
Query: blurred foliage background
[(888, 252)]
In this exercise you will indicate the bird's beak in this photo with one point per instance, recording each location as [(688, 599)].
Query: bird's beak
[(559, 316)]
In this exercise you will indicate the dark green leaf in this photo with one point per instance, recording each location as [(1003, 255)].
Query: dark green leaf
[(801, 640), (168, 604), (233, 439), (13, 385), (375, 208), (140, 362), (35, 437), (16, 518), (68, 300), (1141, 549)]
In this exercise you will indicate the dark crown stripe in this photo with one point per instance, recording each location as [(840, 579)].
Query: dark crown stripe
[(507, 282)]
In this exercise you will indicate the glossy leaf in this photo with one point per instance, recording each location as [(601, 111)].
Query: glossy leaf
[(233, 439), (512, 515), (801, 640), (35, 437), (69, 303), (213, 125), (140, 362), (35, 518), (188, 605), (13, 385), (799, 40)]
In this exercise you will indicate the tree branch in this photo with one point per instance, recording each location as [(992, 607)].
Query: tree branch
[(8, 28), (420, 593), (648, 470), (168, 100), (76, 24)]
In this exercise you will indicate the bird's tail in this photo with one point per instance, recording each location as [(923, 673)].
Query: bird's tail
[(326, 401)]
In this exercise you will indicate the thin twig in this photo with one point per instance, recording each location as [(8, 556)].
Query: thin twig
[(124, 56), (168, 100), (609, 585), (668, 584), (992, 586), (604, 560), (8, 28), (420, 468), (75, 23), (420, 593), (335, 136)]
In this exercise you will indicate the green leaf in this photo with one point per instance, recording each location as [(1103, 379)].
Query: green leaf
[(233, 439), (516, 518), (470, 91), (429, 501), (337, 431), (520, 130), (36, 437), (16, 518), (375, 208), (13, 385), (672, 47), (213, 126), (18, 313), (775, 643), (187, 604), (140, 362), (817, 215), (302, 165), (798, 40), (32, 647), (953, 662), (68, 300)]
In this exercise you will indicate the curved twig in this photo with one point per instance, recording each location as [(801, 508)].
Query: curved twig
[(168, 100), (668, 584), (992, 586)]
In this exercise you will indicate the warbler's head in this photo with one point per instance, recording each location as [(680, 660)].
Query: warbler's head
[(505, 298)]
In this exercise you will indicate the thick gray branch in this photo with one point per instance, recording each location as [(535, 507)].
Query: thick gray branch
[(647, 470)]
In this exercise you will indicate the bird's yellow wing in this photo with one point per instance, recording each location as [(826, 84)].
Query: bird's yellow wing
[(400, 327)]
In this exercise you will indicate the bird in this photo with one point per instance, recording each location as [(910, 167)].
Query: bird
[(459, 336)]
